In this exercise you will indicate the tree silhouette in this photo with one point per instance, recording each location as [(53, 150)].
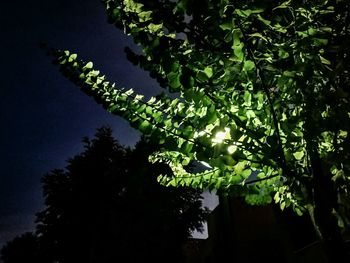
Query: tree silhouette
[(107, 206), (24, 248)]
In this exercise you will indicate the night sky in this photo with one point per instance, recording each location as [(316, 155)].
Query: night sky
[(43, 116)]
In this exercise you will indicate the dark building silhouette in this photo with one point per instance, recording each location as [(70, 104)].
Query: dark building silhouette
[(238, 232)]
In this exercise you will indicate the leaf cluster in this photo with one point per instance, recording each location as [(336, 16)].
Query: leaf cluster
[(261, 88)]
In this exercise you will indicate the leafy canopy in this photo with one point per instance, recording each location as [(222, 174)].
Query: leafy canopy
[(261, 93)]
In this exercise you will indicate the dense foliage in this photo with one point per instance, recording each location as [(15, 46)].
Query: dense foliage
[(24, 248), (261, 97)]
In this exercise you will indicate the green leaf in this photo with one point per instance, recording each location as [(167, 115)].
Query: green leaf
[(243, 13), (320, 41), (288, 73), (202, 76), (185, 161), (283, 54), (238, 51), (283, 205), (168, 123), (247, 12), (311, 31), (158, 116), (258, 35), (298, 155), (89, 65), (298, 211), (145, 127), (341, 223), (263, 20), (248, 65), (324, 61), (283, 5), (186, 147), (154, 28), (188, 131), (72, 57), (208, 71), (226, 26), (326, 29), (334, 169), (145, 16), (246, 173), (277, 197), (174, 80), (238, 45), (149, 110), (211, 116), (239, 167), (231, 149), (182, 5), (247, 98)]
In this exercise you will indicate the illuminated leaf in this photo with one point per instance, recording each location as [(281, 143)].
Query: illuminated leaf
[(324, 61), (252, 86), (208, 71), (298, 155), (248, 65)]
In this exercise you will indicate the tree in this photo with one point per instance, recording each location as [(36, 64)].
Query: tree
[(24, 248), (262, 99), (97, 209)]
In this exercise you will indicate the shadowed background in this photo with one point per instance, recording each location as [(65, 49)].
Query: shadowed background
[(43, 116)]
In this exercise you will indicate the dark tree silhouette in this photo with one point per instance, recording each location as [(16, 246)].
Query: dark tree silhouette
[(165, 217), (24, 248), (107, 206)]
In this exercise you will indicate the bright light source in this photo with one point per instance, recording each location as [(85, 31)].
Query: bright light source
[(222, 135)]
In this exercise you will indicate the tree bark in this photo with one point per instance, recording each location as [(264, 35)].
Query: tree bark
[(325, 205)]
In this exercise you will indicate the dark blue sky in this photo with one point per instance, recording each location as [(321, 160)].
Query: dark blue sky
[(43, 116)]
